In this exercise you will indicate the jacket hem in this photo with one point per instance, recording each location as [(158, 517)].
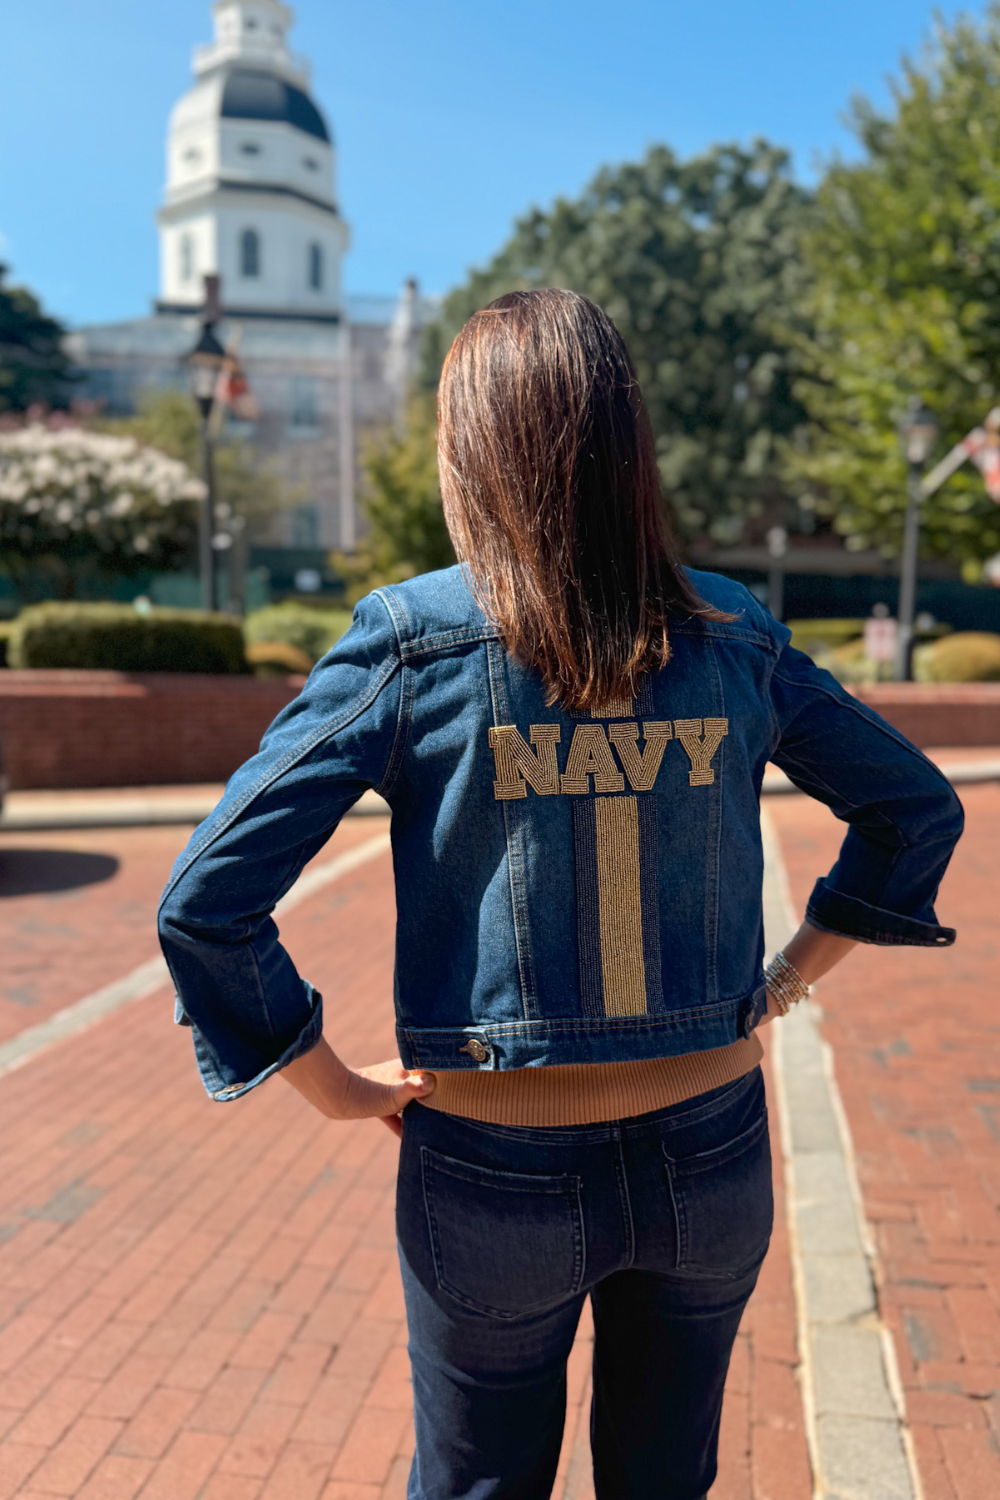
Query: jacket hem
[(554, 1043)]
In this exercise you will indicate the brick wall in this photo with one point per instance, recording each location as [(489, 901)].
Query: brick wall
[(954, 713), (79, 729)]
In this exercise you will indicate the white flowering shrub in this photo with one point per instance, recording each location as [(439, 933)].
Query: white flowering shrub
[(84, 498)]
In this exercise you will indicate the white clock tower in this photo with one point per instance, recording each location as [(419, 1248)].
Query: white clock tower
[(251, 197), (250, 192)]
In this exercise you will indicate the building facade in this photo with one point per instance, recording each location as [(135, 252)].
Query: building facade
[(251, 196)]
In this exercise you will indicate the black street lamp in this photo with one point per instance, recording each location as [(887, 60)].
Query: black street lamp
[(777, 547), (204, 364), (917, 435)]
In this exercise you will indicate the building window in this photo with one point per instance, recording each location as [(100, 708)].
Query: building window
[(186, 257), (250, 148), (249, 253), (316, 267), (303, 406), (311, 163), (305, 528)]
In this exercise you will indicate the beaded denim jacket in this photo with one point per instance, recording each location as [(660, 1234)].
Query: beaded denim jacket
[(569, 889)]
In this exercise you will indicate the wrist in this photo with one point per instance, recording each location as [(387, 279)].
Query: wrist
[(784, 984)]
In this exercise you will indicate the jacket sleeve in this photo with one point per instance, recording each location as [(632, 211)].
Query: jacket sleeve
[(904, 818), (237, 988)]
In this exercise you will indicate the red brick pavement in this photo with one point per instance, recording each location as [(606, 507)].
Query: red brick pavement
[(77, 908), (201, 1301), (916, 1040)]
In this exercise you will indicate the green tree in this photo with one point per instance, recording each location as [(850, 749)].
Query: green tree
[(250, 487), (697, 262), (401, 502), (34, 370), (905, 256)]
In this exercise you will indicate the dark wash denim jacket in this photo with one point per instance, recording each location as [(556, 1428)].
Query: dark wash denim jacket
[(569, 888)]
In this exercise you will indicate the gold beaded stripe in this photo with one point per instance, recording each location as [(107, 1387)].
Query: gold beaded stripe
[(619, 895), (619, 872), (614, 708)]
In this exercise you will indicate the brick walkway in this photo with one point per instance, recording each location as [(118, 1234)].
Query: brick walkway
[(916, 1041), (201, 1302)]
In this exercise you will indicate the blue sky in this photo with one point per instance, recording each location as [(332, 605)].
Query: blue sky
[(451, 116)]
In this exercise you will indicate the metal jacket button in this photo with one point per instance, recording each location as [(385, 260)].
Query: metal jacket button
[(476, 1049)]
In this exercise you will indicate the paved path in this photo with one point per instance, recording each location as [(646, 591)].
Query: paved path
[(200, 1302), (915, 1034)]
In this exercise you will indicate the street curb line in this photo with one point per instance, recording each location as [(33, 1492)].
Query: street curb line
[(853, 1403), (149, 976), (137, 812)]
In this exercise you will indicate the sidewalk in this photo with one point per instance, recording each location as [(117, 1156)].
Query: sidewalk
[(201, 1302), (915, 1036)]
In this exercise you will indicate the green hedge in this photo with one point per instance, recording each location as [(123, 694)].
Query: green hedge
[(116, 637), (313, 631), (812, 635), (966, 656)]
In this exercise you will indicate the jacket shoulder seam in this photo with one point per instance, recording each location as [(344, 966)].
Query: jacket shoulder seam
[(445, 639), (732, 632)]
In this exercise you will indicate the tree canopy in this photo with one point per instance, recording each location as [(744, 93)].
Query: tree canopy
[(904, 253), (697, 263), (34, 370)]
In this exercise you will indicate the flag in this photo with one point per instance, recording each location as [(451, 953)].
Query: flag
[(232, 389), (986, 458)]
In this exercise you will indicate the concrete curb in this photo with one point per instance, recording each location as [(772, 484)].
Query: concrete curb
[(852, 1396), (55, 810), (121, 810)]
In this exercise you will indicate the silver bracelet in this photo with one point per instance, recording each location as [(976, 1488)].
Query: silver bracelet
[(785, 983)]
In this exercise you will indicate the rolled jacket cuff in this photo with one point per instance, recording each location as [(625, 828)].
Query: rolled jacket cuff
[(847, 916), (223, 1082)]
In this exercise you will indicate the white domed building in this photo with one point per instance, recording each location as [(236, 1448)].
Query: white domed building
[(251, 197)]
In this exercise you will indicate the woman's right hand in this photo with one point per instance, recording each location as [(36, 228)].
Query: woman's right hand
[(381, 1091)]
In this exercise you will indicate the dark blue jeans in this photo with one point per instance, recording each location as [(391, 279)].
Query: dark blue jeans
[(663, 1220)]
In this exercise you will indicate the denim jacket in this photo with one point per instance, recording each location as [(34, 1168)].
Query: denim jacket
[(569, 888)]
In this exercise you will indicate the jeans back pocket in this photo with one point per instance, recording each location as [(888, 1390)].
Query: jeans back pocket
[(724, 1204), (504, 1243)]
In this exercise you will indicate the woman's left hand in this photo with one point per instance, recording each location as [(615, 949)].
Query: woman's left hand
[(381, 1091)]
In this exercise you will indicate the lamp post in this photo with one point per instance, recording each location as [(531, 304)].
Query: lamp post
[(777, 546), (917, 434), (204, 363)]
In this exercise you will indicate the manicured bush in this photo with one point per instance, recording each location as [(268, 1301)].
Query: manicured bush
[(6, 626), (965, 656), (313, 631), (276, 658), (811, 635), (116, 637)]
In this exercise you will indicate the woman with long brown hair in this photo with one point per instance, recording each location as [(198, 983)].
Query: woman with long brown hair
[(571, 731)]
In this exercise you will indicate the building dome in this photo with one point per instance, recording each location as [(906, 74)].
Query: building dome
[(255, 94), (250, 194)]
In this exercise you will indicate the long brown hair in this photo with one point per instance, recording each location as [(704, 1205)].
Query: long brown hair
[(552, 497)]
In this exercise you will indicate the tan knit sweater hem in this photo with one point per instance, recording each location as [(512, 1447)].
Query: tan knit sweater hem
[(587, 1093)]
